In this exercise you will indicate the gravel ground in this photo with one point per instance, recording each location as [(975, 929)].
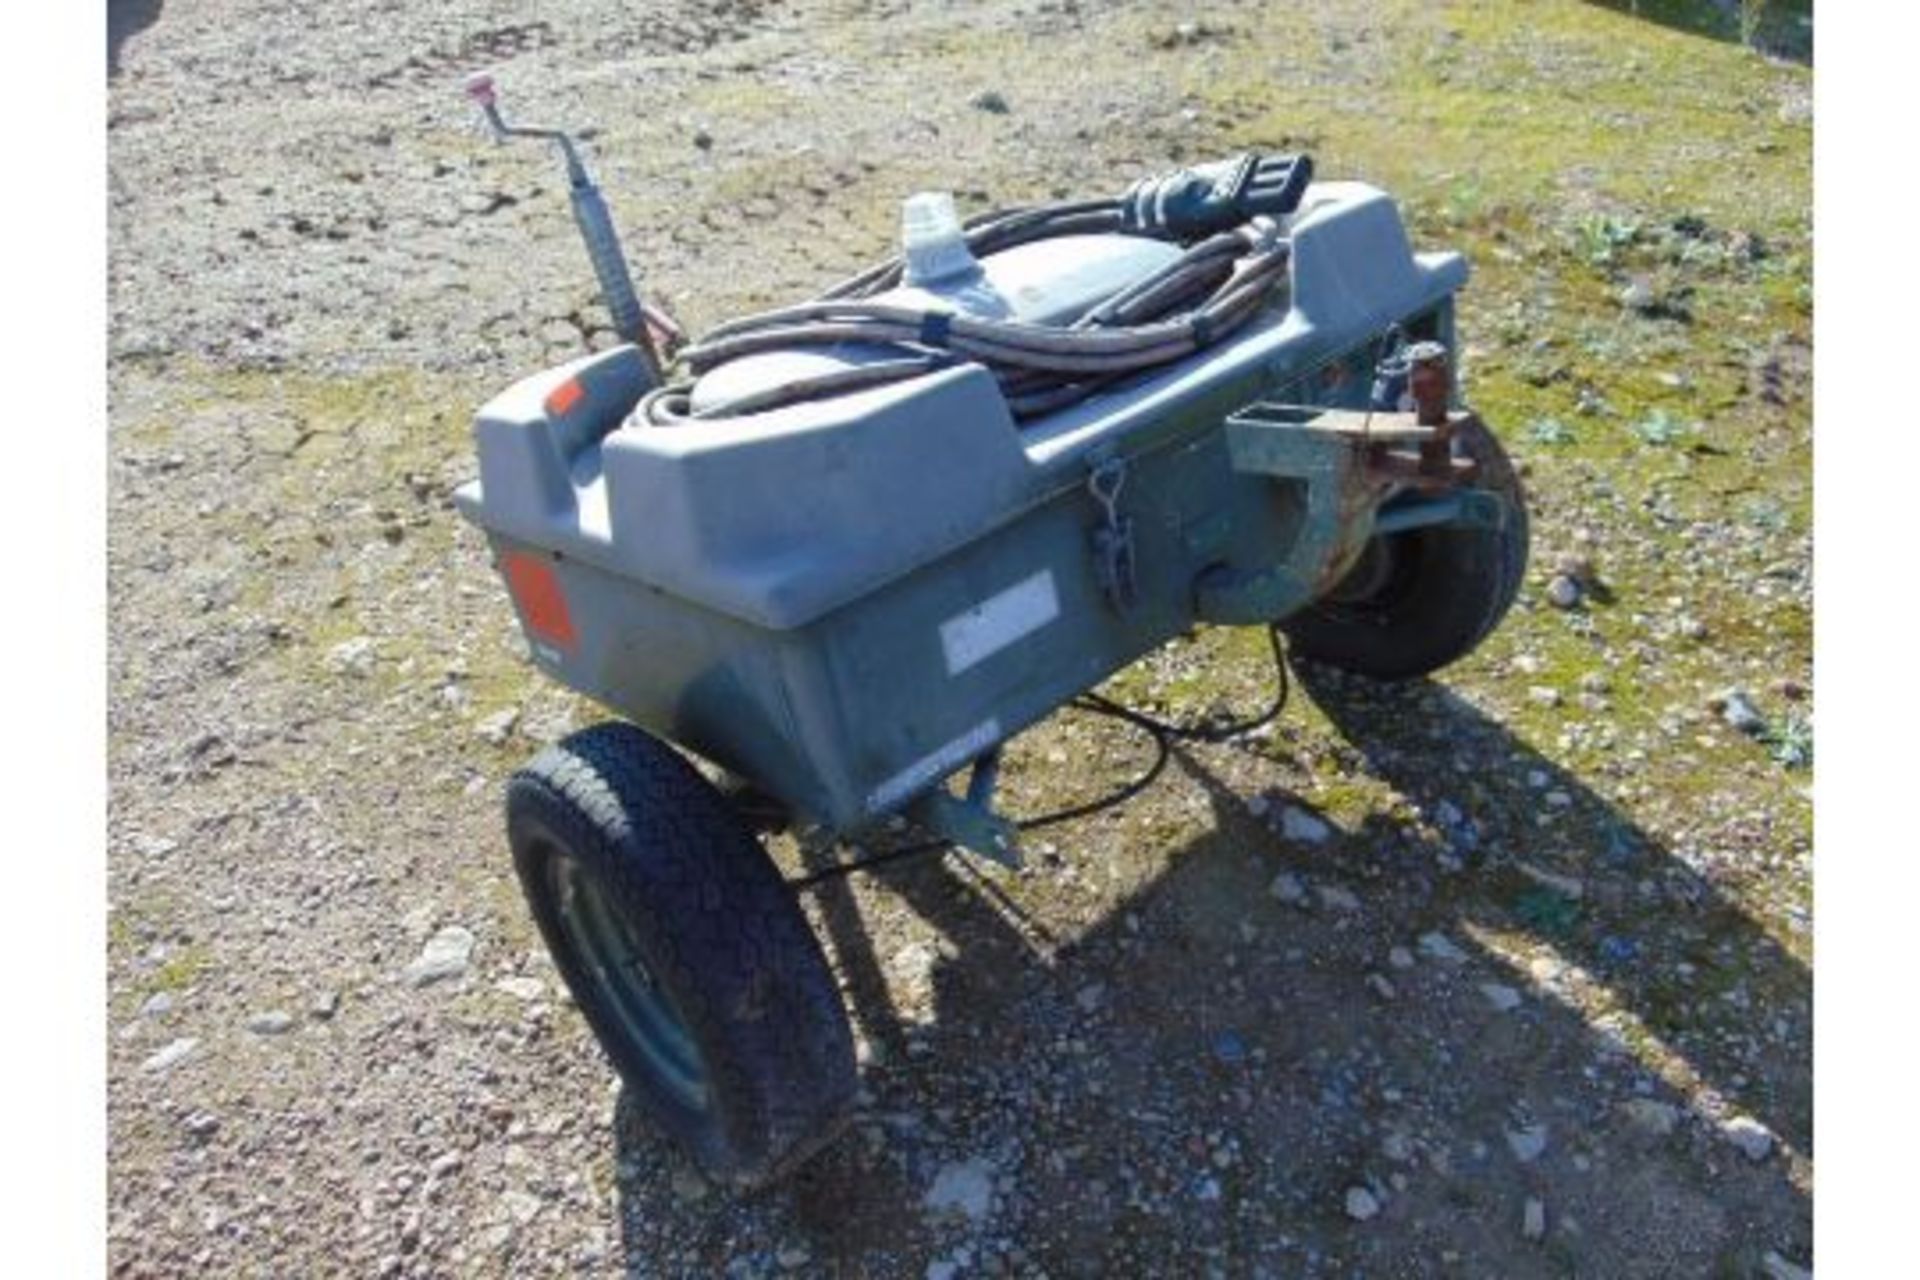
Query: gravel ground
[(1503, 974)]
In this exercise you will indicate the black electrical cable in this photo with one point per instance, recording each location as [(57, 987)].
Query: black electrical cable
[(1164, 734)]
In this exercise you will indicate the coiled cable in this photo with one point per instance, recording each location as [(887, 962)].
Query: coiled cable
[(1222, 279)]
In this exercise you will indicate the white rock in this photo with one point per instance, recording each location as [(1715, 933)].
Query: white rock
[(1500, 996), (1400, 958), (1361, 1204), (1288, 888), (1440, 947), (445, 956), (528, 989), (353, 657), (1739, 712), (1380, 985), (1563, 592), (1297, 824), (171, 1056), (157, 1005), (498, 727), (1754, 1139), (1533, 1220), (1527, 1144), (1651, 1116), (1338, 899), (964, 1187), (1091, 996), (154, 846), (520, 1205), (273, 1022)]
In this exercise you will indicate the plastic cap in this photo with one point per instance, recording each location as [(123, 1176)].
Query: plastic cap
[(931, 239)]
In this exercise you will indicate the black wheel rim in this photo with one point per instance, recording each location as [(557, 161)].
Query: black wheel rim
[(609, 956)]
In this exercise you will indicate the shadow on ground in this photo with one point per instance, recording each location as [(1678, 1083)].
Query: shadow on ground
[(1233, 1023), (125, 20), (1781, 28)]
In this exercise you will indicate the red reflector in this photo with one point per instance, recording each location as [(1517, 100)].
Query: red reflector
[(564, 397), (536, 590)]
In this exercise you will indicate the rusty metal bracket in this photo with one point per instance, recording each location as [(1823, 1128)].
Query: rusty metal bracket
[(1323, 452), (1347, 463), (1430, 387), (1399, 448)]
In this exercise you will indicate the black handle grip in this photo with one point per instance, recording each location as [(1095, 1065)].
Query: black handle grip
[(1191, 204)]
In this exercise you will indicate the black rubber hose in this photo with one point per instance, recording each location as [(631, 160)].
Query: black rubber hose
[(829, 323), (1034, 381), (1163, 734), (1216, 285)]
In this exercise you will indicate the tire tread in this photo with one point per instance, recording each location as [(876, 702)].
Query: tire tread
[(722, 931)]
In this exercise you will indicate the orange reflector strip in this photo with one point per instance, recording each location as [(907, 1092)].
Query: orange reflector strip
[(536, 590), (564, 397)]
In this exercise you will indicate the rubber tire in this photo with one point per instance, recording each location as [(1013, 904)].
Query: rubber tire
[(719, 930), (1444, 588)]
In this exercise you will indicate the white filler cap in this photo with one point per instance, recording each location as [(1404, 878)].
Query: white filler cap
[(930, 239)]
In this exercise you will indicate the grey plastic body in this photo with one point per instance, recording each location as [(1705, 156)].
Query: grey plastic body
[(847, 600)]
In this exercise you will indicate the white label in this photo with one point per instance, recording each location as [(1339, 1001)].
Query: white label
[(930, 768), (974, 636)]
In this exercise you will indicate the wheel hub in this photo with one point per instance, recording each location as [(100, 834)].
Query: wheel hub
[(610, 955)]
